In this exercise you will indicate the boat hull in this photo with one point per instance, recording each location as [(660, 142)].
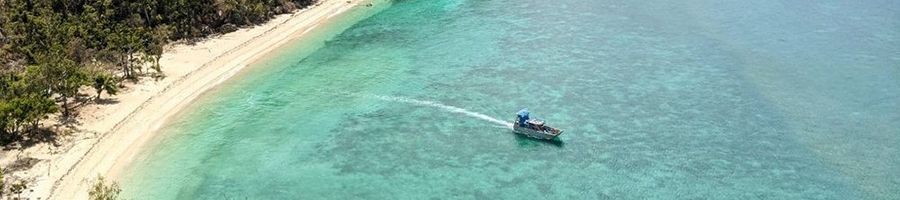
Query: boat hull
[(544, 135)]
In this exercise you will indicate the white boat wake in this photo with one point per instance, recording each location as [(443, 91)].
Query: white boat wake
[(449, 108)]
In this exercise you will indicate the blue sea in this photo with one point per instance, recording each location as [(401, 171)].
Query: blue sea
[(695, 99)]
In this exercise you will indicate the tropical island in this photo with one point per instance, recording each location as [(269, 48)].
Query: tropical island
[(74, 73)]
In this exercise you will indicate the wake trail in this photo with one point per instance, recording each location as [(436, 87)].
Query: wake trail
[(449, 108)]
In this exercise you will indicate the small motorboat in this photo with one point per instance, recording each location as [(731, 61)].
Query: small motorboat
[(534, 128)]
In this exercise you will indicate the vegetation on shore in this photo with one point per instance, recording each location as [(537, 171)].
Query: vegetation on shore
[(15, 188), (104, 191), (57, 55), (52, 51)]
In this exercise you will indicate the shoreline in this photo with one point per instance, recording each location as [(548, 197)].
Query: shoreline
[(110, 135)]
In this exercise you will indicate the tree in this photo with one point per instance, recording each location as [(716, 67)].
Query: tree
[(30, 110), (104, 82), (61, 75), (24, 99), (125, 42), (103, 191), (158, 39), (17, 188)]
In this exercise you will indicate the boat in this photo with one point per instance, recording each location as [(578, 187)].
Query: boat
[(535, 128)]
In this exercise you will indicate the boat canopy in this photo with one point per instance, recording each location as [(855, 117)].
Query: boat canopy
[(523, 113), (522, 116)]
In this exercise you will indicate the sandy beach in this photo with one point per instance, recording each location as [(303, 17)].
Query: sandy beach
[(109, 135)]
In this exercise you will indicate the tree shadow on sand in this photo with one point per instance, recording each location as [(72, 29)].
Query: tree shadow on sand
[(57, 128), (106, 101), (30, 138), (84, 100)]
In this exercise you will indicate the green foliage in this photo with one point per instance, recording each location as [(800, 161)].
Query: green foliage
[(154, 51), (17, 188), (105, 82), (103, 191), (50, 49), (23, 101), (61, 74)]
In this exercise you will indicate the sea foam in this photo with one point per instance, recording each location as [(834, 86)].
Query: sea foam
[(439, 105)]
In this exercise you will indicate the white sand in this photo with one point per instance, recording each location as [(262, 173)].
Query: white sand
[(110, 135)]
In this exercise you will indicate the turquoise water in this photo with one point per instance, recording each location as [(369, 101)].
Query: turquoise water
[(698, 99)]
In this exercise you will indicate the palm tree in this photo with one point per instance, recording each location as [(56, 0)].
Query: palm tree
[(104, 82)]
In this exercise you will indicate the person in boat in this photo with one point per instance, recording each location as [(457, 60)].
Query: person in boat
[(526, 122), (536, 124), (522, 116)]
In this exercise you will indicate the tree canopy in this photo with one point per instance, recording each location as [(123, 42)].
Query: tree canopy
[(51, 49)]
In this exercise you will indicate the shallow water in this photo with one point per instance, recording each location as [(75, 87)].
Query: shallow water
[(694, 99)]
